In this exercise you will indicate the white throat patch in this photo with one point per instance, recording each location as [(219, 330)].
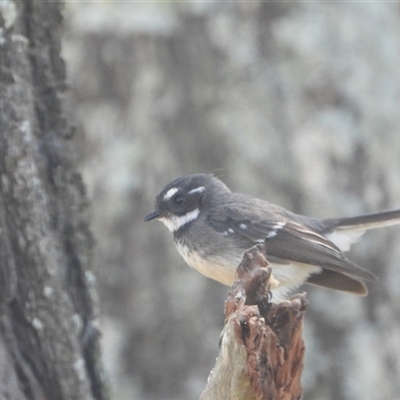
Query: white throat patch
[(175, 222)]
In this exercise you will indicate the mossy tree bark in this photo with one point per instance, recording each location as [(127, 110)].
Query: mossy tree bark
[(48, 341)]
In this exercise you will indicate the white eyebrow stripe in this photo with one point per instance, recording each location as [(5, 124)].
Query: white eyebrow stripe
[(175, 222), (170, 193), (197, 190)]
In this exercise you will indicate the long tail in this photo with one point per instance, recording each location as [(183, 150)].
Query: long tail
[(370, 221), (346, 231)]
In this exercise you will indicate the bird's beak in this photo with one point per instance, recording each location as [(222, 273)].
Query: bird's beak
[(152, 215)]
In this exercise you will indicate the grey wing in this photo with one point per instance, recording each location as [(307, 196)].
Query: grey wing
[(285, 240)]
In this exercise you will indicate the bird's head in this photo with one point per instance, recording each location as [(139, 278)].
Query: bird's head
[(182, 200)]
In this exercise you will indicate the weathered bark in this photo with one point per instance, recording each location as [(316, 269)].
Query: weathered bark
[(262, 349), (48, 342)]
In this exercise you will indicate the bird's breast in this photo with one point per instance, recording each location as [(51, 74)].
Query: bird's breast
[(221, 269)]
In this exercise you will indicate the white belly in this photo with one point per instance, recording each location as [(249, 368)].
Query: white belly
[(289, 276), (218, 269)]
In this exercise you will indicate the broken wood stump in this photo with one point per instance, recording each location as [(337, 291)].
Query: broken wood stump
[(262, 349)]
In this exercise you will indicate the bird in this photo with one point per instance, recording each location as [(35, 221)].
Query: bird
[(213, 226)]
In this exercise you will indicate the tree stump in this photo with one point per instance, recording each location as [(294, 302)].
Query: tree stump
[(262, 349)]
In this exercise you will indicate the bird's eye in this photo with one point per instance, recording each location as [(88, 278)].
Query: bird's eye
[(178, 199)]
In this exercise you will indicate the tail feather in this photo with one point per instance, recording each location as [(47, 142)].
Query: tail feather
[(337, 281), (370, 221), (345, 231)]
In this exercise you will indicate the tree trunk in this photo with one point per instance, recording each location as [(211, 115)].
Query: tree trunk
[(48, 341)]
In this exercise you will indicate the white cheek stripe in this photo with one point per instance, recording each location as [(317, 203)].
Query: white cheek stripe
[(197, 190), (170, 193), (175, 222)]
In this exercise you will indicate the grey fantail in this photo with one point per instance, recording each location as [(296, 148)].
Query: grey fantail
[(213, 226)]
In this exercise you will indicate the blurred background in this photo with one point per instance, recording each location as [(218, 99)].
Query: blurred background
[(294, 102)]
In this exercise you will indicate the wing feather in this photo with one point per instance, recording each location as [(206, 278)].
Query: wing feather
[(285, 240)]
